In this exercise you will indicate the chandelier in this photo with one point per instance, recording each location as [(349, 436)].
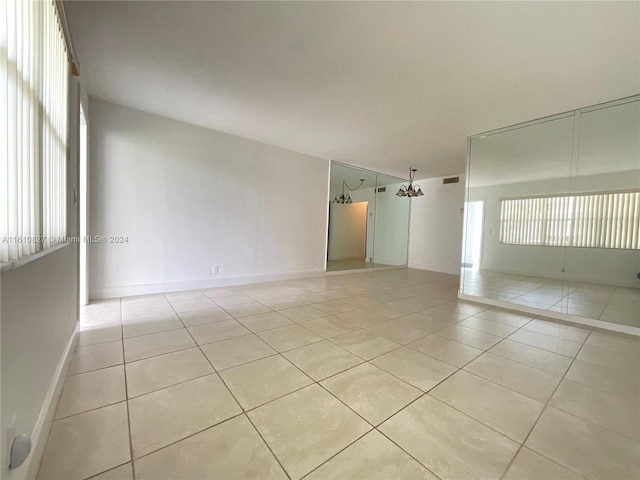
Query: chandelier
[(342, 198), (412, 190)]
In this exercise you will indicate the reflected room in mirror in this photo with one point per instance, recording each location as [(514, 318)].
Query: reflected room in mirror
[(368, 224), (552, 216)]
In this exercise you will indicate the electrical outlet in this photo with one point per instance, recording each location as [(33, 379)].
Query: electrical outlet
[(215, 269)]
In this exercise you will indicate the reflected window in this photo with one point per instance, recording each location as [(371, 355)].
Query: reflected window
[(602, 220)]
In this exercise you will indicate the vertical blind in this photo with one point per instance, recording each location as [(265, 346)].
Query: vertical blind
[(599, 220), (33, 133)]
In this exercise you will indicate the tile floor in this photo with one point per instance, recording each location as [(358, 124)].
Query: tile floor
[(602, 302), (372, 375)]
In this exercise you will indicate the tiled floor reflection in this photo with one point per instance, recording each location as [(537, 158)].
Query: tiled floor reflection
[(602, 302), (372, 375)]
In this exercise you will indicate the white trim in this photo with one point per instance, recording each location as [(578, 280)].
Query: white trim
[(40, 432), (590, 322), (128, 290)]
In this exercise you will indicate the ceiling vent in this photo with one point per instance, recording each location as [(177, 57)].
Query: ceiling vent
[(451, 180), (382, 189)]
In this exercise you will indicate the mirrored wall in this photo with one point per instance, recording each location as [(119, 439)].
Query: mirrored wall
[(552, 215), (370, 226)]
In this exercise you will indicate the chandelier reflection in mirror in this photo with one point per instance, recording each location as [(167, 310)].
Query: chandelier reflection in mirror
[(412, 190), (342, 198)]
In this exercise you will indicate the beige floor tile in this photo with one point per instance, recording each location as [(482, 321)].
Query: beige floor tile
[(135, 312), (614, 341), (265, 321), (365, 344), (488, 326), (533, 357), (246, 309), (90, 390), (622, 383), (371, 392), (373, 457), (389, 312), (87, 444), (431, 432), (100, 334), (328, 327), (235, 299), (583, 447), (123, 472), (185, 409), (137, 348), (508, 318), (529, 465), (362, 318), (322, 359), (259, 382), (282, 303), (425, 323), (506, 411), (217, 292), (143, 300), (398, 331), (218, 331), (361, 301), (624, 360), (230, 450), (94, 357), (468, 336), (289, 337), (446, 350), (306, 428), (99, 318), (236, 351), (200, 317), (528, 381), (145, 326), (302, 314), (185, 296), (203, 303), (413, 367), (615, 413), (555, 329), (163, 371), (333, 306), (546, 342)]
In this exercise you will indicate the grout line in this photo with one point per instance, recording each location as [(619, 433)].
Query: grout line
[(126, 395), (544, 408), (401, 345)]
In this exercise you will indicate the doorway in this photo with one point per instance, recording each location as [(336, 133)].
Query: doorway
[(347, 236)]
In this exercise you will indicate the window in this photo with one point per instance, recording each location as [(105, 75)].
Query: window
[(598, 220), (33, 132)]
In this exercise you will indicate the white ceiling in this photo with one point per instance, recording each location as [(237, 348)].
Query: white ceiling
[(377, 84)]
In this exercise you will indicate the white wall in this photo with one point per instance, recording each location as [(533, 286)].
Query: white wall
[(188, 198), (347, 231), (435, 234), (599, 265)]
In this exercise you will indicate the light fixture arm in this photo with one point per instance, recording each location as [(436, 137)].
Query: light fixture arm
[(411, 190), (345, 184)]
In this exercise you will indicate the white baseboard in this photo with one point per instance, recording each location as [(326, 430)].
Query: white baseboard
[(590, 322), (40, 433), (128, 290)]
